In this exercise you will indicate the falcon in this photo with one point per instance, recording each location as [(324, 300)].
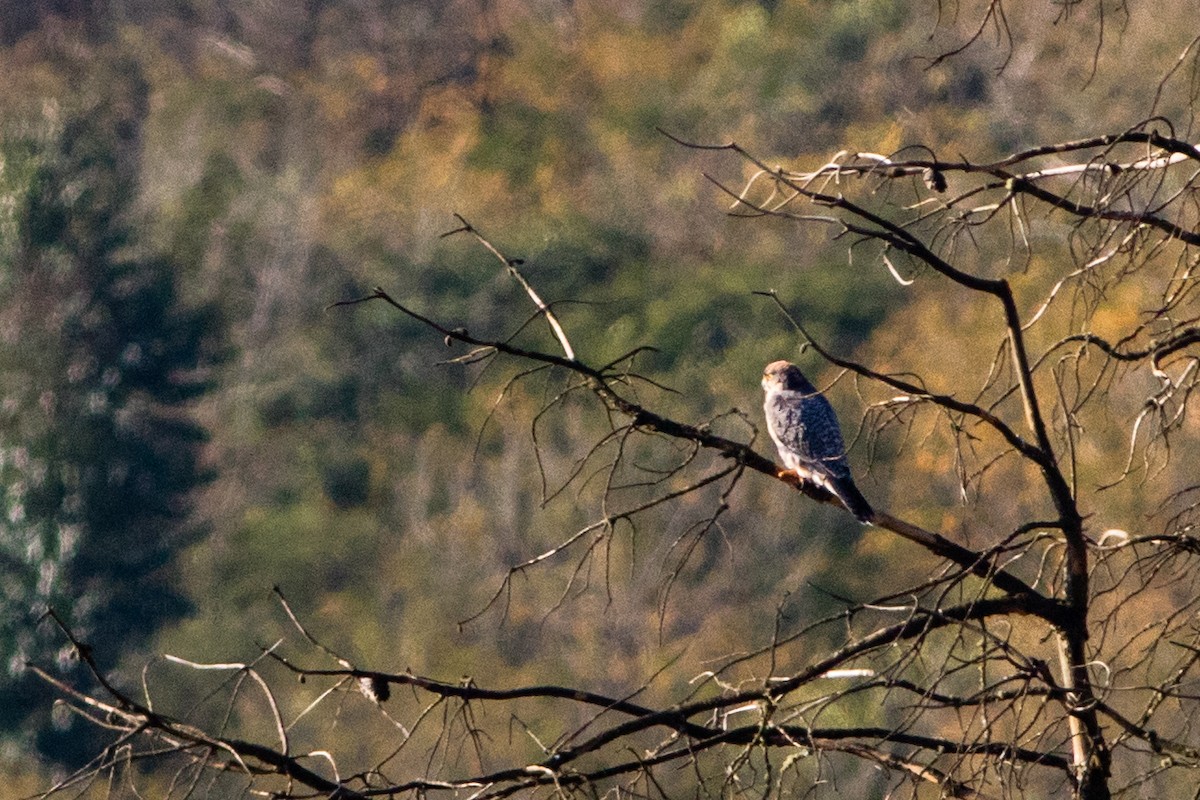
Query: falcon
[(806, 432)]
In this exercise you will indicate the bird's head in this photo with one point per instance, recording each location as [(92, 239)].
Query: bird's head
[(784, 376)]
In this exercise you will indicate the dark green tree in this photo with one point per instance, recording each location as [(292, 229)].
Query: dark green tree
[(99, 360)]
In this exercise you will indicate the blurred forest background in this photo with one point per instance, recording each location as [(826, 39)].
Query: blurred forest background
[(185, 186)]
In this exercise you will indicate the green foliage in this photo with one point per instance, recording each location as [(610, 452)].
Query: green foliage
[(273, 158), (99, 455), (514, 139), (204, 204), (347, 481)]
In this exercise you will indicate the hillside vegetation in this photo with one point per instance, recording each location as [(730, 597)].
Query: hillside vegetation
[(187, 423)]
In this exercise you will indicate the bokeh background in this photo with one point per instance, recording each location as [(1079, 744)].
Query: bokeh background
[(186, 186)]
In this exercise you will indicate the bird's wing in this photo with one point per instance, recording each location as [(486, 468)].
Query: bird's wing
[(822, 437)]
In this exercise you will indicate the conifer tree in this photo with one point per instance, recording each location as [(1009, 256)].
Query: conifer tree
[(98, 361)]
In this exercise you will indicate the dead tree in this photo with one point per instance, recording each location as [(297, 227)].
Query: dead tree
[(1059, 658)]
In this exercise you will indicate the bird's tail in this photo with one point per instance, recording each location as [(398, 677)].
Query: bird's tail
[(852, 498)]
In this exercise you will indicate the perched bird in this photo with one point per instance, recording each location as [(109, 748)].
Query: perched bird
[(805, 430)]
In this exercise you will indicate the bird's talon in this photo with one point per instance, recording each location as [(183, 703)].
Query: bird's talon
[(790, 476)]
